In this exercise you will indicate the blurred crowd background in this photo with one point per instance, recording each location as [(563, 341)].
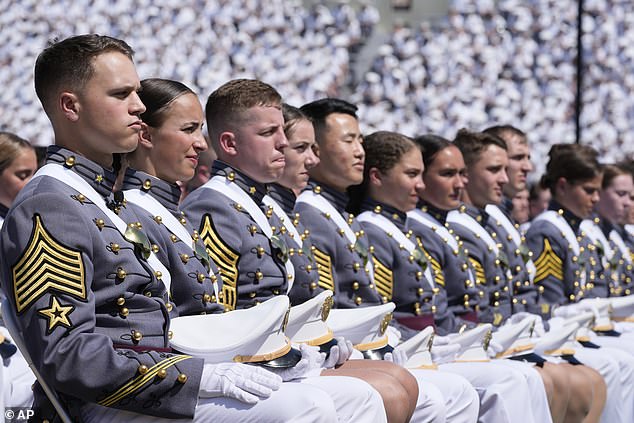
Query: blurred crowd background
[(480, 62)]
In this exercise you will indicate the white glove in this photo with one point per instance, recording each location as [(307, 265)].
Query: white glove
[(397, 357), (339, 353), (569, 310), (311, 359), (441, 340), (394, 335), (442, 354), (494, 349), (538, 329), (240, 381)]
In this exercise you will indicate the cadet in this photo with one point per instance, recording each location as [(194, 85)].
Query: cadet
[(107, 365), (246, 130)]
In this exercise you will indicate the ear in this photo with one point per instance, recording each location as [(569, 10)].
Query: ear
[(145, 139), (227, 143), (69, 105), (374, 176), (561, 185)]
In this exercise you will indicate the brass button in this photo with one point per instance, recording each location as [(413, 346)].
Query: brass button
[(70, 161), (121, 274), (155, 248), (137, 336), (420, 291), (358, 300), (170, 334), (258, 275), (200, 277), (100, 223), (184, 258), (356, 266), (169, 307), (162, 374), (143, 369), (313, 285), (147, 184), (114, 247), (309, 267), (120, 301), (124, 312), (182, 378), (355, 285), (207, 298)]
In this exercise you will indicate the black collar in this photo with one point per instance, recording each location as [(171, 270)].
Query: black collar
[(392, 214), (100, 179), (256, 190), (164, 192), (573, 220), (283, 196), (438, 214), (338, 199)]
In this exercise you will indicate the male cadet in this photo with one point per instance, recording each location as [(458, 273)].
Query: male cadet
[(345, 264), (69, 262), (245, 126)]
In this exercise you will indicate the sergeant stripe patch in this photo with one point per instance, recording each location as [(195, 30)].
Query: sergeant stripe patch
[(548, 264), (138, 382), (225, 258), (46, 265), (383, 279), (479, 271), (324, 268)]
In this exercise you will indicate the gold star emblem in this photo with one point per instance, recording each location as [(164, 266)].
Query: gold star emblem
[(57, 314)]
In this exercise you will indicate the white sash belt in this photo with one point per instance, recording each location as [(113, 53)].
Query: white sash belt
[(233, 191), (76, 182), (495, 211), (320, 203), (470, 223), (389, 227), (620, 244), (284, 218), (559, 222), (151, 205)]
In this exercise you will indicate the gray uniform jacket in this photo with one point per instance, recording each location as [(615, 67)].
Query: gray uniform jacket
[(560, 270), (452, 271), (252, 267), (192, 271), (491, 271), (341, 265), (526, 296), (401, 274), (94, 315), (306, 284)]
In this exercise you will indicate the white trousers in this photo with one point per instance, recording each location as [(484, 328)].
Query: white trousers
[(298, 401), (619, 378), (503, 391), (538, 396), (461, 403)]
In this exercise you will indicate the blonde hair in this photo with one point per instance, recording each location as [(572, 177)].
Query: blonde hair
[(10, 147)]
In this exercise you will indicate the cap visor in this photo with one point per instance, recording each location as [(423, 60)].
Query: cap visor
[(379, 353), (289, 359)]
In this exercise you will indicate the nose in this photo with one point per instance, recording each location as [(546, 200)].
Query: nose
[(420, 184), (311, 159), (595, 197), (136, 106), (281, 142), (503, 179), (200, 143), (528, 166), (359, 151), (460, 181)]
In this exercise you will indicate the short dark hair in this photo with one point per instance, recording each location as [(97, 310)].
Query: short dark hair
[(319, 110), (157, 95), (226, 105), (67, 64), (574, 162), (502, 131), (473, 144)]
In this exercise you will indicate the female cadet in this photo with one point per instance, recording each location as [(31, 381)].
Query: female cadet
[(169, 144), (17, 164)]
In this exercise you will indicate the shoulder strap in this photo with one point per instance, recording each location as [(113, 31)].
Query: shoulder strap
[(474, 226), (559, 222), (74, 181), (424, 218), (233, 191)]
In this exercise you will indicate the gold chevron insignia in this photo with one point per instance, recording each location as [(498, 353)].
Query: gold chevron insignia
[(138, 382), (225, 257), (57, 314), (383, 279), (548, 264), (439, 276), (46, 265), (324, 268), (479, 271)]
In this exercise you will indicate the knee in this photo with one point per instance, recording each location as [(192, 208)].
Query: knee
[(310, 405)]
